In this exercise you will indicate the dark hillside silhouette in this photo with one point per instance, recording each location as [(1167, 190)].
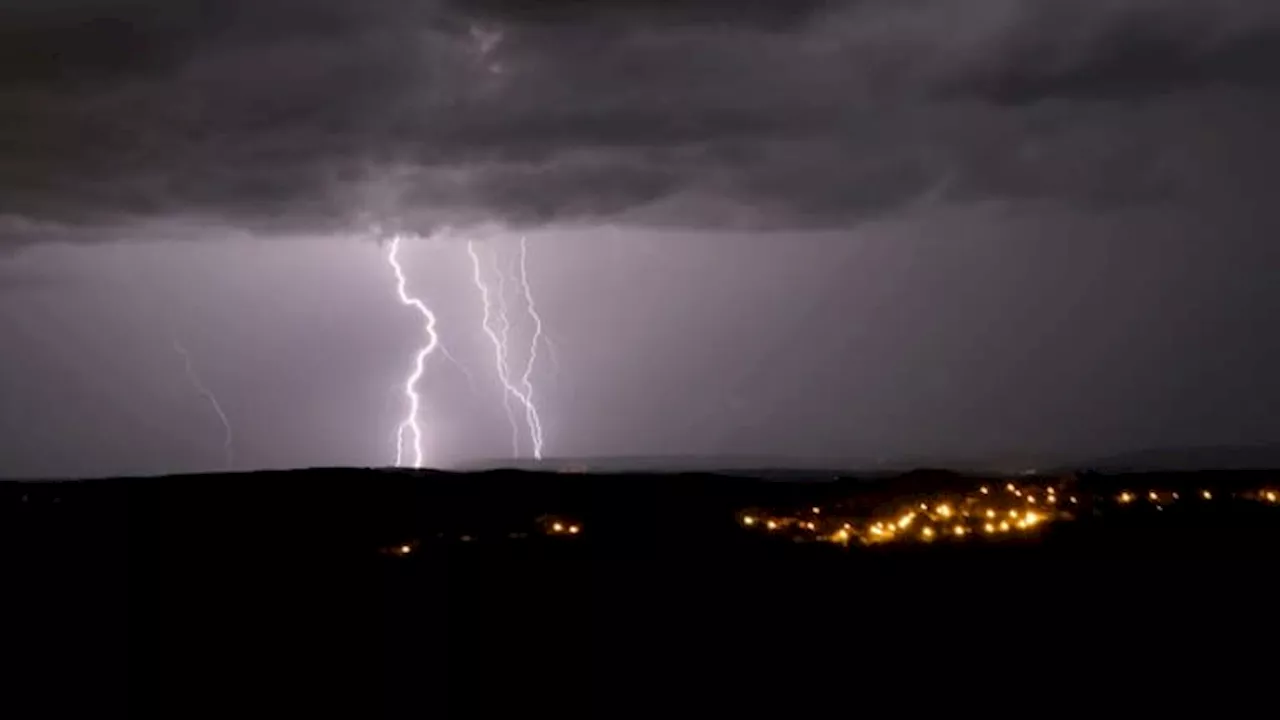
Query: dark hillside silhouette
[(401, 594)]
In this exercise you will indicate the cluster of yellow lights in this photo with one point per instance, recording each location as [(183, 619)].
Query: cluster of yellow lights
[(1161, 498), (1017, 510), (953, 516), (984, 513)]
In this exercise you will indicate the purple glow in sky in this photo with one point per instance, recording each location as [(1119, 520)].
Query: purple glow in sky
[(868, 230)]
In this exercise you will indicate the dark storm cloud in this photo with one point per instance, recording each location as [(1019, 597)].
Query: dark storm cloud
[(767, 14), (292, 115), (1135, 52)]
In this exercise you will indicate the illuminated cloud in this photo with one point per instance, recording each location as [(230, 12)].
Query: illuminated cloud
[(274, 116)]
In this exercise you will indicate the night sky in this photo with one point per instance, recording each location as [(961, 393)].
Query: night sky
[(847, 230)]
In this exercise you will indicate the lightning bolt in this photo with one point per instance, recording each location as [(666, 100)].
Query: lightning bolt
[(471, 381), (410, 422), (228, 448), (553, 354), (530, 409), (505, 334), (496, 324), (496, 337)]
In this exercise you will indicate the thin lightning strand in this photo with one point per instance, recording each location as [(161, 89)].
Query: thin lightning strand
[(553, 354), (498, 340), (228, 448), (471, 381), (530, 409), (410, 422), (504, 317)]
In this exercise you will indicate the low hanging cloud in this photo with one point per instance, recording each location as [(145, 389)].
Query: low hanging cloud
[(288, 116)]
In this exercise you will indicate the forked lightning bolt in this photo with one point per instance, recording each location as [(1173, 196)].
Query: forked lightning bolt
[(498, 337), (530, 409), (504, 337), (228, 449), (410, 422)]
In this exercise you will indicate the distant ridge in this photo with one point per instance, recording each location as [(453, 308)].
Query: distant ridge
[(1186, 459), (1213, 457), (756, 466), (661, 463)]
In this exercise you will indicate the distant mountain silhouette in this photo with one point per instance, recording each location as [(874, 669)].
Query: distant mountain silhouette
[(1225, 457), (673, 463), (755, 465), (1220, 457)]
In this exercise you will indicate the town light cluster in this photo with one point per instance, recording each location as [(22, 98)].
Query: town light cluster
[(991, 512)]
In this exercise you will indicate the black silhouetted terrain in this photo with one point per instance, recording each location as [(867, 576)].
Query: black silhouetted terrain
[(284, 595)]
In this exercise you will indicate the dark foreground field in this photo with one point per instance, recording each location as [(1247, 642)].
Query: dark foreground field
[(273, 595)]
